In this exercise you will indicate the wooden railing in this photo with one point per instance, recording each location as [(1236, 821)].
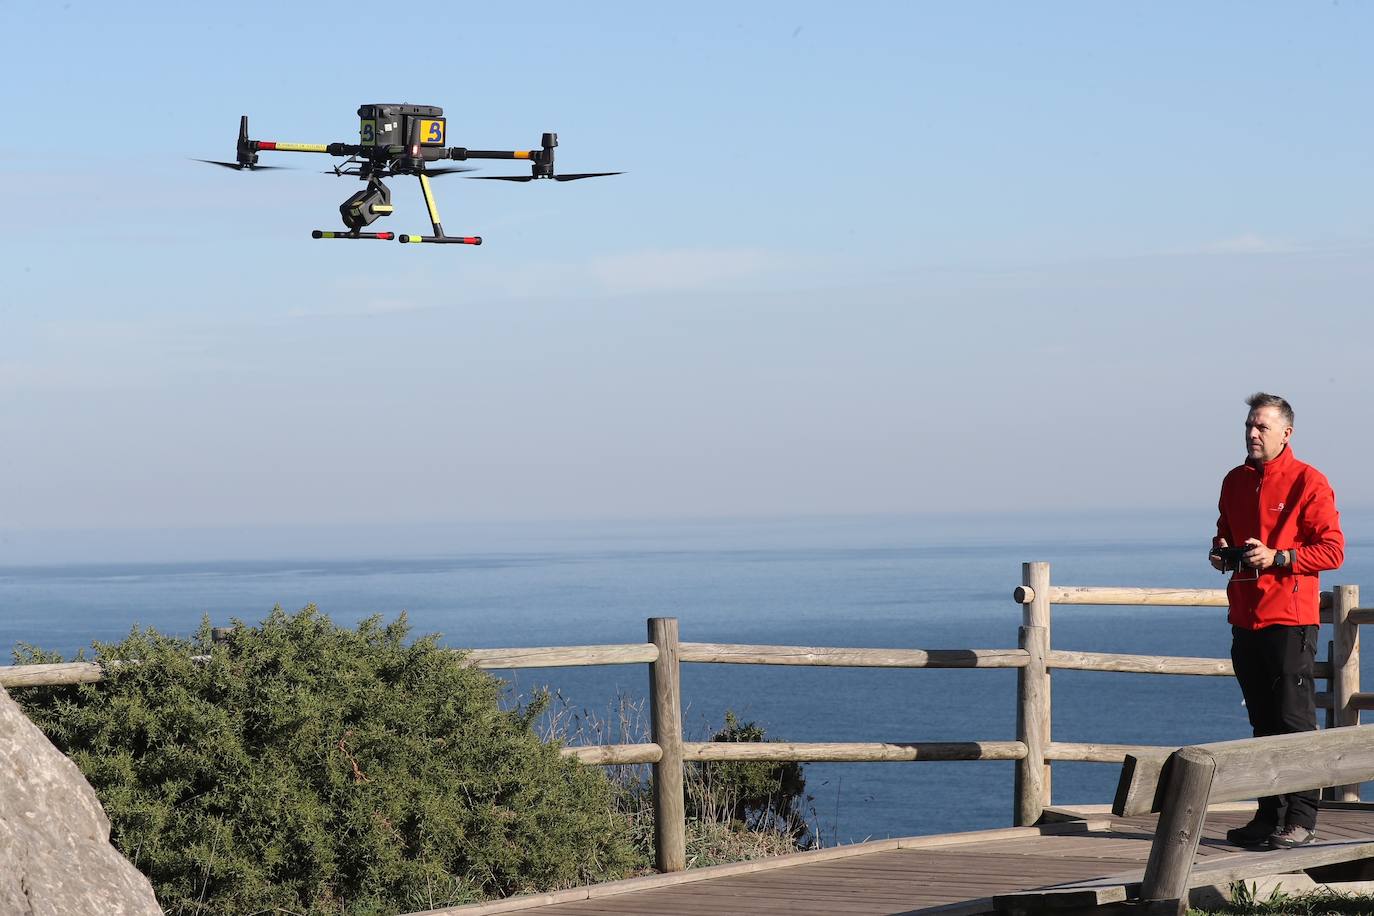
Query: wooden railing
[(1033, 750), (1181, 785)]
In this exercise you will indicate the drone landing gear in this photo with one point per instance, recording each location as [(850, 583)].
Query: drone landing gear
[(444, 239), (438, 237), (325, 234)]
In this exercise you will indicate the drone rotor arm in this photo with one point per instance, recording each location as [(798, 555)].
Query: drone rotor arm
[(461, 153), (540, 160), (291, 147)]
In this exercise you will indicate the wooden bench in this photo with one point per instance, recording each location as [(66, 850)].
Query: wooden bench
[(1179, 785)]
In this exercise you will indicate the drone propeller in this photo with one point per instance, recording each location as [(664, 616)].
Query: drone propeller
[(572, 177), (238, 167), (447, 170)]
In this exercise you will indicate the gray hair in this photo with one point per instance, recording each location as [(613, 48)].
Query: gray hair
[(1261, 399)]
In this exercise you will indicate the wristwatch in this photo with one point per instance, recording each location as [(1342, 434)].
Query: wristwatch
[(1283, 557)]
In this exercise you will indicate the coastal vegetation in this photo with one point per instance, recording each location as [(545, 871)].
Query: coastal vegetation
[(1245, 901), (299, 766)]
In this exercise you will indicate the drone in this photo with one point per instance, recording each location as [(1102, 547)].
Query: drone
[(398, 140)]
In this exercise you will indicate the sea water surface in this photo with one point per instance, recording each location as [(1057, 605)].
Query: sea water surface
[(937, 582)]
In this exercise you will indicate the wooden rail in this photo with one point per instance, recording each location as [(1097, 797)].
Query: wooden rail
[(562, 656), (726, 654), (1034, 659)]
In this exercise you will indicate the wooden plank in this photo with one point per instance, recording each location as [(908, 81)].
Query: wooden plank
[(797, 886), (61, 674), (650, 882), (1027, 902), (1175, 597), (1145, 597), (1141, 664), (869, 892), (695, 899), (664, 904), (982, 836), (1097, 753), (1224, 871), (560, 656), (973, 907), (1279, 764), (826, 656), (1134, 847), (50, 675), (1340, 832), (1138, 785), (854, 751), (609, 754)]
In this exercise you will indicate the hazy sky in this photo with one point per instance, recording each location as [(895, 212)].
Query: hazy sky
[(892, 257)]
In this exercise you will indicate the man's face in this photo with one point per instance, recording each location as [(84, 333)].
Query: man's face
[(1265, 434)]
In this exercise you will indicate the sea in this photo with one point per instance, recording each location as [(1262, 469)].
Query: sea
[(926, 582)]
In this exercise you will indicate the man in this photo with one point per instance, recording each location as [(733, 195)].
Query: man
[(1284, 512)]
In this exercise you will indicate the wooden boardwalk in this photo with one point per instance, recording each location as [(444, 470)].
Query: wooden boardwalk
[(947, 875)]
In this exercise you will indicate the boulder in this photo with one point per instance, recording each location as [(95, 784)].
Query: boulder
[(55, 852)]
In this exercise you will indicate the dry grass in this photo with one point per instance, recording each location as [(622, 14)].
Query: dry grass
[(715, 835)]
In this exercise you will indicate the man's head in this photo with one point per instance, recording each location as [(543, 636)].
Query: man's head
[(1267, 427)]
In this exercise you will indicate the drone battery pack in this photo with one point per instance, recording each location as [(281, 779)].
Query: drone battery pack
[(390, 125)]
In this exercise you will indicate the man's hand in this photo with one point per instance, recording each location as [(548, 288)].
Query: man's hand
[(1259, 556), (1217, 563)]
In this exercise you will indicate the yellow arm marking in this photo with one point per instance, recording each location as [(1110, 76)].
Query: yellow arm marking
[(429, 199)]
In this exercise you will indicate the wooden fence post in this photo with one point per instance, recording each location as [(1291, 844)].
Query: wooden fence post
[(665, 705), (1033, 698), (1345, 668), (1165, 886)]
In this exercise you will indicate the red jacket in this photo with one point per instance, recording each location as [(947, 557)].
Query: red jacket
[(1288, 505)]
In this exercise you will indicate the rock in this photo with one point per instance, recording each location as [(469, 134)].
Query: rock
[(55, 852)]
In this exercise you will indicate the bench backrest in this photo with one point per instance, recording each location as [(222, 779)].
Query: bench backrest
[(1251, 767), (1181, 784)]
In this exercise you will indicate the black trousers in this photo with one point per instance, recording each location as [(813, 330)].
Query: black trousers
[(1274, 668)]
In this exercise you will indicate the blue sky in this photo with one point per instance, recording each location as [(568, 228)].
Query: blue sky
[(867, 258)]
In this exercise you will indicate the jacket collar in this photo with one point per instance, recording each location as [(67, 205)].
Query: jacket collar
[(1281, 462)]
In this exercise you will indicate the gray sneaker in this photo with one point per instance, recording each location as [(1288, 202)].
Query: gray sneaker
[(1292, 836)]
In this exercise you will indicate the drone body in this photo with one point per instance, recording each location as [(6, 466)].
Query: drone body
[(397, 139)]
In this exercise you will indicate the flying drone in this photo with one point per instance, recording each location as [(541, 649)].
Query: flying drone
[(399, 140)]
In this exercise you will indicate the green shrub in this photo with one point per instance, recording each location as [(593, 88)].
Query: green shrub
[(758, 796), (320, 770)]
